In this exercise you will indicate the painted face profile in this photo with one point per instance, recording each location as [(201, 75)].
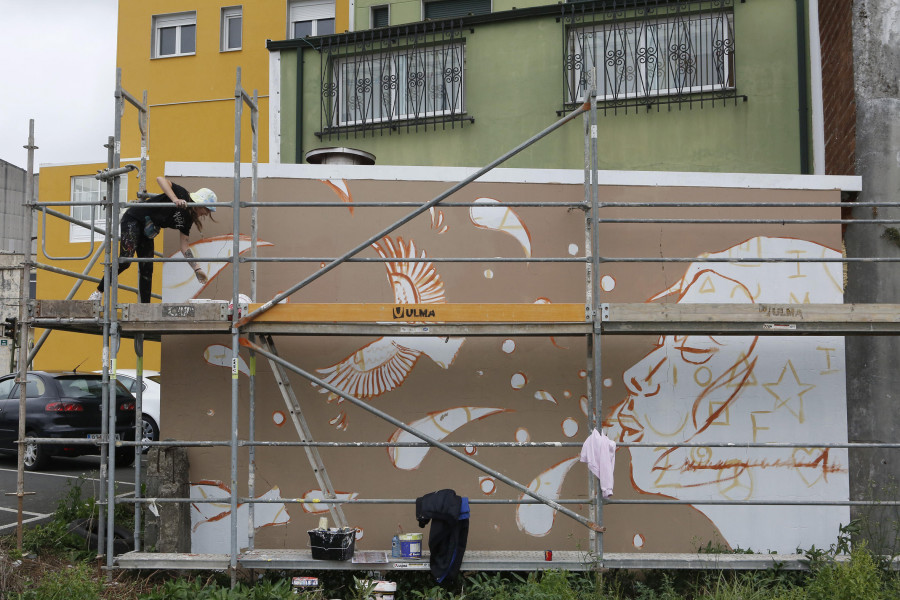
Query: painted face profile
[(701, 389)]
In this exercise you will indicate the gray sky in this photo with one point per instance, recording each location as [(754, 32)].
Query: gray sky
[(58, 67)]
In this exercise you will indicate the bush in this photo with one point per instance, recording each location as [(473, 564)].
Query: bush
[(858, 579), (74, 583)]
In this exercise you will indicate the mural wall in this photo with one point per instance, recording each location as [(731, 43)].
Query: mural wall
[(663, 391)]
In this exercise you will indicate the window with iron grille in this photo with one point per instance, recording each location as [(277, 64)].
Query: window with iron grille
[(385, 79), (644, 53), (426, 82)]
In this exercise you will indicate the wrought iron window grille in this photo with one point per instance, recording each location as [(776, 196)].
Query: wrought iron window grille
[(649, 53), (408, 78)]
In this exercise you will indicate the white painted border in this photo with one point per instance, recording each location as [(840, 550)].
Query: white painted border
[(845, 183), (275, 107)]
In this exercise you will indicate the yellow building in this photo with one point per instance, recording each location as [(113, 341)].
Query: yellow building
[(184, 53)]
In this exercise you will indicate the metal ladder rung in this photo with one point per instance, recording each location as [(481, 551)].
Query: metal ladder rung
[(303, 431)]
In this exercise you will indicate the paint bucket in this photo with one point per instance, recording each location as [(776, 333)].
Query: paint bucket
[(411, 545)]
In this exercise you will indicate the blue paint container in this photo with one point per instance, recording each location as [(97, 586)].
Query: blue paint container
[(411, 545)]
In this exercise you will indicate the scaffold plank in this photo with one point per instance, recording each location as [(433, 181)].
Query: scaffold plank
[(483, 319), (484, 560), (752, 319), (422, 313)]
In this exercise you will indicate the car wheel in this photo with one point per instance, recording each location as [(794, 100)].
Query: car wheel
[(125, 456), (36, 456), (149, 430)]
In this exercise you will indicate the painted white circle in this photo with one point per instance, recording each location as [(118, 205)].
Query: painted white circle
[(583, 402), (607, 283), (567, 394), (522, 435), (508, 346), (582, 374), (570, 427), (573, 249), (471, 450), (638, 541), (360, 532), (479, 372), (278, 418), (488, 485), (488, 274), (607, 383), (210, 413), (518, 381)]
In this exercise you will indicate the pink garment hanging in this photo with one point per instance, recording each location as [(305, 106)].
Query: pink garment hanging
[(599, 452)]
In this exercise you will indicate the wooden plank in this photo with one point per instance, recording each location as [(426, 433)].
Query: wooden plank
[(421, 313)]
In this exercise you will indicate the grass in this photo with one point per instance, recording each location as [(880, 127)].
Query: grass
[(56, 565)]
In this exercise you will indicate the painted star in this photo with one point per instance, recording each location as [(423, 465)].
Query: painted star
[(788, 391)]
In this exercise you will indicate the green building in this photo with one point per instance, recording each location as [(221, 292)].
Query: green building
[(684, 85)]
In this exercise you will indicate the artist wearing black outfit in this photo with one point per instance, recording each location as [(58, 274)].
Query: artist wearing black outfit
[(140, 224)]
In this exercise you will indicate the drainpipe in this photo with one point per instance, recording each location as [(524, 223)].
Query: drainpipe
[(298, 125), (802, 91), (815, 76)]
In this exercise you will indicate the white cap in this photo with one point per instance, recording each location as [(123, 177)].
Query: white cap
[(204, 196)]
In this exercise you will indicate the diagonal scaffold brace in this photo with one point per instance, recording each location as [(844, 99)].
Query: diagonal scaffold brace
[(424, 437)]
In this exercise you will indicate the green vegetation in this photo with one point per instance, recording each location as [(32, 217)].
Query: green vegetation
[(57, 565)]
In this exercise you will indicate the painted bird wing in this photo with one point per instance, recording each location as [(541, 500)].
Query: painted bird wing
[(412, 282), (374, 369)]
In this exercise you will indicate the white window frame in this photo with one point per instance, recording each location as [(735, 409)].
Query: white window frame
[(634, 34), (309, 10), (341, 117), (229, 13), (95, 193), (178, 21)]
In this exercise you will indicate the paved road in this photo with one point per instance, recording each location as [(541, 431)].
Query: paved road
[(52, 485)]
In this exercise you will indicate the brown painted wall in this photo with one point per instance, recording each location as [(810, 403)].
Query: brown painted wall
[(197, 395)]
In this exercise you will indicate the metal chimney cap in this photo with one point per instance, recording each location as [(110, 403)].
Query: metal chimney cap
[(339, 156)]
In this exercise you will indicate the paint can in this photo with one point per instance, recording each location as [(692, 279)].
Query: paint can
[(411, 545), (395, 547)]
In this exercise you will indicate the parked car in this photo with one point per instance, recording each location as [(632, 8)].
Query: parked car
[(62, 405), (150, 421)]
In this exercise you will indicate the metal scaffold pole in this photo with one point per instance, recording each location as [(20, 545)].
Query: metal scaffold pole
[(22, 334)]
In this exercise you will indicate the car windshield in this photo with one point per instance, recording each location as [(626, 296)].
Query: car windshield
[(80, 386)]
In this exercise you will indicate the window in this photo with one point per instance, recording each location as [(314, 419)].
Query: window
[(381, 16), (230, 34), (6, 387), (418, 83), (174, 34), (34, 388), (681, 54), (89, 189), (310, 17), (445, 9)]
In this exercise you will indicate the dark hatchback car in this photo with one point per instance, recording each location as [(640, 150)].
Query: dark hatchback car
[(62, 405)]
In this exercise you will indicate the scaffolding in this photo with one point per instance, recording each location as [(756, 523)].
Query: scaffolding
[(257, 329)]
